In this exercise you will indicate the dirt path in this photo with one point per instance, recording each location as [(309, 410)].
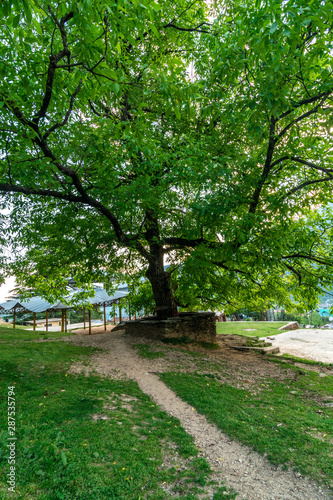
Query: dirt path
[(244, 470)]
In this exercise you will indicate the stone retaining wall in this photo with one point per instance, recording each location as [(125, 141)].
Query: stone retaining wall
[(196, 326)]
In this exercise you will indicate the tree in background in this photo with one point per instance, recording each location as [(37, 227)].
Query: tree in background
[(138, 132)]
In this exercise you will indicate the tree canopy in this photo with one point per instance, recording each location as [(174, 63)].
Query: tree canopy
[(136, 133)]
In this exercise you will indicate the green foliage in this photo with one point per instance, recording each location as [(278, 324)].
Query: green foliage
[(138, 131), (76, 315), (140, 297)]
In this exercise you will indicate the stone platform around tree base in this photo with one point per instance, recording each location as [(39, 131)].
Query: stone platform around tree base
[(195, 326)]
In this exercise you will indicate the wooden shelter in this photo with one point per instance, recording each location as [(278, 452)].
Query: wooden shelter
[(38, 305)]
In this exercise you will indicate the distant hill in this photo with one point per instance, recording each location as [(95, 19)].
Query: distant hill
[(326, 301)]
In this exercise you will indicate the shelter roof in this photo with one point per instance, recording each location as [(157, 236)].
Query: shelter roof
[(9, 305), (37, 304)]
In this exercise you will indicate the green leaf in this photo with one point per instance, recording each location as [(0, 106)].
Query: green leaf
[(154, 30), (37, 26), (177, 113), (273, 28)]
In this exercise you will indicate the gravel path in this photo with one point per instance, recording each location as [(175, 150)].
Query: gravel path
[(244, 470)]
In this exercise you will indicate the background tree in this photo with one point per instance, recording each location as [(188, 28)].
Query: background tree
[(114, 158)]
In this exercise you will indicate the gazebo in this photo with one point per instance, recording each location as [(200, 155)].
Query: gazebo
[(37, 305)]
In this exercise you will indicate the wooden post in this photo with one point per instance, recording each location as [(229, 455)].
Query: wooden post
[(114, 314), (84, 318), (129, 311), (62, 320), (89, 322), (47, 321), (66, 320), (34, 321), (104, 317), (14, 318), (119, 314)]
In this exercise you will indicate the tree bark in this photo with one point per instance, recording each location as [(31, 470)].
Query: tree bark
[(161, 284), (160, 279)]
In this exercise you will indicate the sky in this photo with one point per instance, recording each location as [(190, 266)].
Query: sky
[(6, 288)]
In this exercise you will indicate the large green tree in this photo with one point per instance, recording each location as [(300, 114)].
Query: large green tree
[(135, 131)]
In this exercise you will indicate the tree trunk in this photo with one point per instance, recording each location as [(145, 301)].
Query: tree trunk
[(161, 284), (237, 316), (159, 279)]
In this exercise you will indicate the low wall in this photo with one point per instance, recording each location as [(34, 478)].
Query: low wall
[(196, 326)]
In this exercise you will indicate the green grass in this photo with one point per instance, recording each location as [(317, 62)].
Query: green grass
[(282, 419), (17, 327), (90, 438), (145, 351), (303, 360), (260, 328), (13, 334)]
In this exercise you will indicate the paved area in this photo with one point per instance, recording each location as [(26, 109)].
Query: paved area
[(69, 327), (311, 344)]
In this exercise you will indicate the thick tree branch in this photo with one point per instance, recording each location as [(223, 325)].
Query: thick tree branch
[(183, 242), (13, 188), (307, 257), (300, 118), (267, 167), (303, 102), (309, 183), (54, 59), (65, 120), (171, 25), (303, 162), (294, 271), (312, 165)]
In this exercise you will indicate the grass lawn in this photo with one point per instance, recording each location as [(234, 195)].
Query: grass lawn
[(283, 419), (17, 327), (21, 333), (90, 438), (258, 328)]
